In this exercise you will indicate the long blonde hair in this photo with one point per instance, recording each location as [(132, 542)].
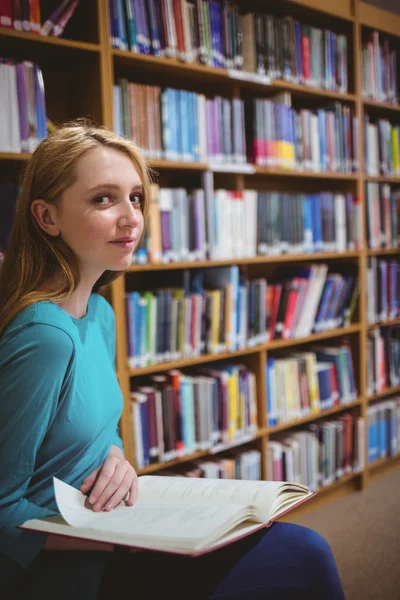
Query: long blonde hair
[(32, 256)]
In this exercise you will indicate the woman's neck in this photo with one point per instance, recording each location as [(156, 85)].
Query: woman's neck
[(77, 303)]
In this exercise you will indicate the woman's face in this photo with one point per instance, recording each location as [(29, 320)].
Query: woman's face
[(100, 216)]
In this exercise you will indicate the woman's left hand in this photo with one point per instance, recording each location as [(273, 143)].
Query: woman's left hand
[(112, 482)]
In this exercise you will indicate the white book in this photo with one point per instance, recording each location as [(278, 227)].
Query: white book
[(175, 514)]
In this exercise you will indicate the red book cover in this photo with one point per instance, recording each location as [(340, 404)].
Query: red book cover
[(290, 310), (178, 17), (275, 307), (305, 40), (175, 381), (334, 385), (34, 10), (6, 14)]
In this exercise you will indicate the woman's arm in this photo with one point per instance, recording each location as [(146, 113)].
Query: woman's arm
[(33, 365)]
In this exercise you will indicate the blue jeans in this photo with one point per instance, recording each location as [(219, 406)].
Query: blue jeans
[(285, 562)]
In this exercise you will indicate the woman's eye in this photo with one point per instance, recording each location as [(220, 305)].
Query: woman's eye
[(103, 200), (137, 199)]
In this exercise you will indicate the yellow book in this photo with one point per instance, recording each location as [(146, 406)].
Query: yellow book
[(233, 404), (395, 149), (216, 307)]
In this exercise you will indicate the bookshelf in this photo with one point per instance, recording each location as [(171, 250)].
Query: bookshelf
[(79, 71)]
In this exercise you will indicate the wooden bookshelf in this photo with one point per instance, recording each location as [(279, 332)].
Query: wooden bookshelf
[(283, 258), (86, 90)]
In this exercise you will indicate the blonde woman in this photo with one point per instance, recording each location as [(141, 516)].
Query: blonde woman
[(80, 214)]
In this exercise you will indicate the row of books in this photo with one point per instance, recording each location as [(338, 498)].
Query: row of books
[(219, 310), (315, 140), (381, 147), (383, 225), (383, 359), (179, 125), (383, 285), (234, 464), (283, 48), (34, 16), (8, 193), (22, 101), (305, 383), (222, 224), (215, 34), (383, 420), (379, 69), (319, 454), (179, 413)]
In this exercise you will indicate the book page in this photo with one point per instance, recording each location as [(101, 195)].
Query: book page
[(186, 490), (189, 526)]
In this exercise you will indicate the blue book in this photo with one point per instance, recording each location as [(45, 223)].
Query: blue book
[(324, 384), (321, 321), (122, 38), (154, 27), (339, 284), (317, 222), (144, 422), (269, 376)]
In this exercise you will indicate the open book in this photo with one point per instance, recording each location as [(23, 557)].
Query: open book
[(175, 514)]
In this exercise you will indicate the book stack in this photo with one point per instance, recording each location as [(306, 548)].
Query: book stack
[(7, 208), (320, 454), (305, 383), (379, 69), (322, 140), (178, 125), (381, 147), (383, 429), (30, 16), (22, 99), (222, 224), (383, 353), (220, 310), (234, 464), (383, 278), (382, 210), (178, 413)]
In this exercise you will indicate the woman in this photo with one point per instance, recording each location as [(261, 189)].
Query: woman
[(79, 216)]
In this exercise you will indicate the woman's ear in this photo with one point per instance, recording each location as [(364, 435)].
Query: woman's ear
[(44, 214)]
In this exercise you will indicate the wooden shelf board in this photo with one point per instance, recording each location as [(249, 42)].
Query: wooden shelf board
[(50, 40), (383, 463), (332, 486), (273, 345), (200, 264), (222, 76), (383, 251), (305, 174), (15, 156), (382, 179), (387, 392), (178, 165), (202, 454), (384, 323), (314, 417), (376, 104)]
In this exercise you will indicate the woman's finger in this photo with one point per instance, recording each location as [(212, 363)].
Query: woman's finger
[(112, 485), (134, 491), (89, 481), (120, 492)]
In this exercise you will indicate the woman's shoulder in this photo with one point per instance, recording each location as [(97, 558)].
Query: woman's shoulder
[(37, 320)]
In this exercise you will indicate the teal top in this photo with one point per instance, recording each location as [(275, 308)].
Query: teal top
[(60, 404)]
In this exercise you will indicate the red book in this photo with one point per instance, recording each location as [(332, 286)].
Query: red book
[(334, 386), (178, 17), (305, 43), (6, 14), (275, 307), (290, 310)]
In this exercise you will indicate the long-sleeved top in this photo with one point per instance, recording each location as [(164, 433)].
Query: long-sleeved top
[(60, 404)]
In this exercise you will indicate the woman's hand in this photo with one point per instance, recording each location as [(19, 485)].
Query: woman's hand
[(112, 482)]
